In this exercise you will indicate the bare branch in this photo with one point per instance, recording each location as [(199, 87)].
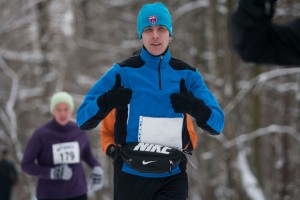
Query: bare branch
[(26, 56), (247, 137), (188, 8), (249, 181), (260, 79), (273, 128), (10, 106)]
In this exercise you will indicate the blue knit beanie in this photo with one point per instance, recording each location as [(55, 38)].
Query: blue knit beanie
[(61, 97), (153, 15)]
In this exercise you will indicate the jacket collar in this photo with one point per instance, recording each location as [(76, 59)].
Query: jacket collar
[(146, 56), (59, 128)]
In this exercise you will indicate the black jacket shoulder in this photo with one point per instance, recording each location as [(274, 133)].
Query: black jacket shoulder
[(180, 65), (133, 61)]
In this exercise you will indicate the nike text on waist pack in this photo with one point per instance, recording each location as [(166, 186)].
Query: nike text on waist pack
[(151, 158), (152, 148)]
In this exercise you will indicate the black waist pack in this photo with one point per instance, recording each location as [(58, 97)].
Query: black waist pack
[(150, 158)]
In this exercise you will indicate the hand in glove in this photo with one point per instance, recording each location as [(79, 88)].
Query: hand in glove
[(111, 150), (117, 97), (61, 172), (186, 102), (95, 181), (258, 8)]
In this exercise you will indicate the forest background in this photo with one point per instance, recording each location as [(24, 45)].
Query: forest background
[(48, 46)]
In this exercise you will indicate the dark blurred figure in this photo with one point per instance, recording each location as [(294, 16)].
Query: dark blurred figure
[(8, 176), (257, 39)]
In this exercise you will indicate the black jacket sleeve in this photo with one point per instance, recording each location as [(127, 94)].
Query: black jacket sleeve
[(257, 39)]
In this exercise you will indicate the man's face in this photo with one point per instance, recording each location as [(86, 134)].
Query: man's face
[(156, 39), (62, 113)]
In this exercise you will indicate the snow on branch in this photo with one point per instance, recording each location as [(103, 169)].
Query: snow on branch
[(189, 7), (4, 119), (273, 128), (118, 3), (14, 23), (84, 80), (249, 181), (13, 75), (25, 56), (246, 137), (30, 92), (3, 137), (283, 87), (264, 77), (12, 117), (212, 79), (125, 44), (258, 80)]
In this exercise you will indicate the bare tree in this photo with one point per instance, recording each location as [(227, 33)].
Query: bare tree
[(47, 46)]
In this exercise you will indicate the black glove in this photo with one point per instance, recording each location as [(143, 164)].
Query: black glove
[(186, 102), (117, 97), (258, 8), (111, 151)]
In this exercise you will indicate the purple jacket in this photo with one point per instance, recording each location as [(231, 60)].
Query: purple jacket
[(38, 160)]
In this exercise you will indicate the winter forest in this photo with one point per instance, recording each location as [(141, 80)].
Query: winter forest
[(49, 46)]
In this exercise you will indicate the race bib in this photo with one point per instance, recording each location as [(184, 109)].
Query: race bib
[(163, 131), (66, 153)]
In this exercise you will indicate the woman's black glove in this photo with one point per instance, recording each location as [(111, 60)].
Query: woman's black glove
[(117, 97), (186, 102)]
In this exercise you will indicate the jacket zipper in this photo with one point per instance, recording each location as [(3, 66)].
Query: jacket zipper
[(159, 74)]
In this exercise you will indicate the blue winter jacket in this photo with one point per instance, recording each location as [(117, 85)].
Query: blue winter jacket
[(152, 80)]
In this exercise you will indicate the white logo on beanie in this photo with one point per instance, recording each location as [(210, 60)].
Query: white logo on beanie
[(152, 19)]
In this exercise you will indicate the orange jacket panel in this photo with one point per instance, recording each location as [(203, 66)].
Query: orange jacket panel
[(107, 131)]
